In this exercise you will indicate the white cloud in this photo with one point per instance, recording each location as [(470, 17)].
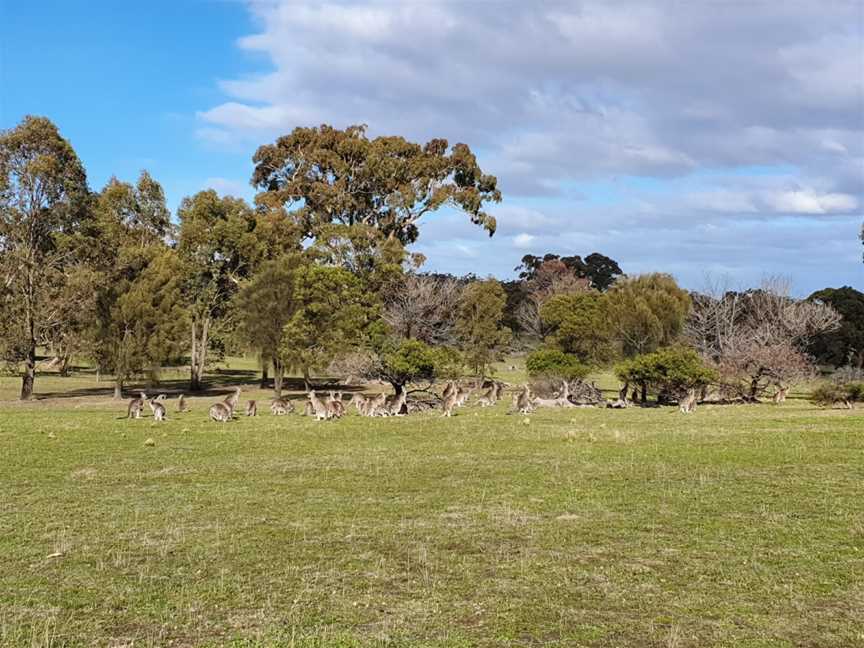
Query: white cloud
[(730, 118), (808, 201), (523, 241)]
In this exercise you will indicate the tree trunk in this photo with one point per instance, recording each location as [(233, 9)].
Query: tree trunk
[(278, 376), (622, 393), (199, 353), (307, 383), (397, 388), (65, 360), (118, 389), (644, 396), (265, 365), (29, 375)]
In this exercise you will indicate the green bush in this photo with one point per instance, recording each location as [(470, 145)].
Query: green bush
[(673, 370), (551, 363), (830, 394)]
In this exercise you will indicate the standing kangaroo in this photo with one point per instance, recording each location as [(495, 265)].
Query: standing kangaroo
[(158, 409), (136, 405), (232, 400), (252, 408), (181, 404), (335, 406), (319, 409), (522, 402), (687, 403)]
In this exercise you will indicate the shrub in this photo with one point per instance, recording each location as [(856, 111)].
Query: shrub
[(551, 363), (672, 370), (831, 393)]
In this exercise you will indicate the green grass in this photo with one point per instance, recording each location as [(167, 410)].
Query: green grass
[(734, 526)]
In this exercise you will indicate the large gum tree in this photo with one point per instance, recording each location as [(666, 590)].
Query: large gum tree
[(43, 190)]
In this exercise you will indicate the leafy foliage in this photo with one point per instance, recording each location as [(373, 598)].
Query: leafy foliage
[(829, 394), (479, 324), (647, 312), (672, 370), (332, 314), (845, 345), (600, 271), (388, 183), (552, 363), (579, 325)]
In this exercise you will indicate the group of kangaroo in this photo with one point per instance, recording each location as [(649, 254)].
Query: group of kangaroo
[(325, 408), (332, 406)]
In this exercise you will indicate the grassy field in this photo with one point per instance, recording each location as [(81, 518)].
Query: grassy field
[(734, 526)]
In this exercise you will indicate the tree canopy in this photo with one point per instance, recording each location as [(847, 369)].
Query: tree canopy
[(343, 177)]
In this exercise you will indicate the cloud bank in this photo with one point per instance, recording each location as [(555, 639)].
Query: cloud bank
[(672, 136)]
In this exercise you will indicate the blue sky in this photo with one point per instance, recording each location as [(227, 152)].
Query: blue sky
[(669, 136)]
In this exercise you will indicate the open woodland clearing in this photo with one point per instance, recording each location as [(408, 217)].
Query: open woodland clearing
[(737, 525)]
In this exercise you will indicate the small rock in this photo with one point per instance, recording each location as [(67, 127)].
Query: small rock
[(149, 442), (526, 421), (51, 435)]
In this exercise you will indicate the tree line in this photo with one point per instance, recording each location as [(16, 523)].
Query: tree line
[(317, 277)]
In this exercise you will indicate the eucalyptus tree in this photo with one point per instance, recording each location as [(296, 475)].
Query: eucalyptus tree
[(218, 245), (342, 177), (43, 197)]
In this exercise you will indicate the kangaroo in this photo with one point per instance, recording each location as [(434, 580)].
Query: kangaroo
[(688, 402), (449, 388), (559, 399), (499, 390), (393, 405), (487, 398), (135, 406), (360, 402), (158, 409), (221, 413), (462, 395), (281, 407), (780, 395), (522, 401), (375, 405), (181, 404), (162, 398), (319, 408), (252, 408), (449, 403), (335, 406), (232, 400)]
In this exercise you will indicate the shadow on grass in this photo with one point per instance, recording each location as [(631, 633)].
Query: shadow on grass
[(220, 382)]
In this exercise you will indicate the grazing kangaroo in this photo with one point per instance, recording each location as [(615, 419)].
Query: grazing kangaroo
[(221, 413), (688, 402), (162, 398), (232, 400), (252, 408), (281, 407), (158, 409), (135, 406), (319, 408), (335, 406), (181, 404)]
